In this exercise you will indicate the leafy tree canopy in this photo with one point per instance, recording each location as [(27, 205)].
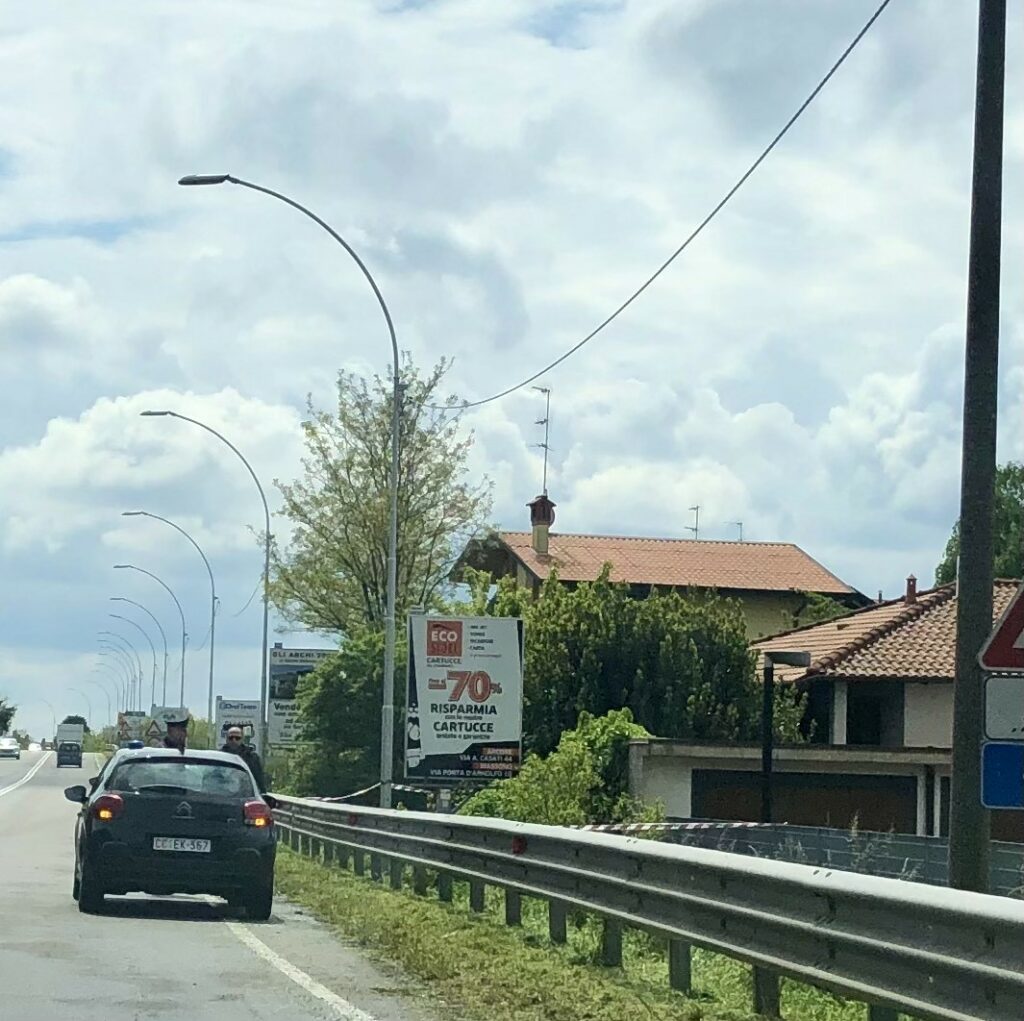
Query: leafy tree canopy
[(332, 575), (7, 712), (1008, 533), (77, 719)]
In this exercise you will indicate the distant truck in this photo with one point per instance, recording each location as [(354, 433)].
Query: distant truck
[(69, 739)]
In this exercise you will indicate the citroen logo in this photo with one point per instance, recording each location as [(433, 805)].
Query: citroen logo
[(183, 811)]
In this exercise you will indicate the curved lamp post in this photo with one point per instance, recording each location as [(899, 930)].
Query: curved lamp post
[(106, 695), (88, 701), (266, 569), (118, 682), (181, 613), (388, 708), (152, 647), (159, 627), (213, 597), (53, 716), (123, 660), (134, 652)]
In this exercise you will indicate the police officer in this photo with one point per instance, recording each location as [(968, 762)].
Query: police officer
[(247, 753), (177, 731)]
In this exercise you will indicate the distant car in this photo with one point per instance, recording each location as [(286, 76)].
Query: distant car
[(35, 746), (9, 748), (69, 754), (161, 822)]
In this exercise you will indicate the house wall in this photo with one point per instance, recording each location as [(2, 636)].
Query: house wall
[(928, 715), (766, 613)]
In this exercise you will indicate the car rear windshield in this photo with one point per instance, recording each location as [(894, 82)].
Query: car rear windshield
[(157, 775), (8, 742)]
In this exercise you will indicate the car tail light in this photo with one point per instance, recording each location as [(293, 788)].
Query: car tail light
[(256, 813), (108, 807)]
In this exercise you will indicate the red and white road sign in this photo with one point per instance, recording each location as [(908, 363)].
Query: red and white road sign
[(1004, 649)]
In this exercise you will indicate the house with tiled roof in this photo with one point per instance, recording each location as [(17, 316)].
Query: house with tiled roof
[(770, 580), (879, 720)]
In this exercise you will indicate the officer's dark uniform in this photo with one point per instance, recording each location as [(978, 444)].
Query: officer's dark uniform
[(177, 734), (251, 758)]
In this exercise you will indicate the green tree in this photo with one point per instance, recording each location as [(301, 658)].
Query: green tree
[(331, 577), (77, 719), (584, 780), (7, 712), (1008, 530), (814, 609), (680, 663), (339, 712)]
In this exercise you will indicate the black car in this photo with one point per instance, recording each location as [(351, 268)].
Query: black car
[(162, 822), (69, 753)]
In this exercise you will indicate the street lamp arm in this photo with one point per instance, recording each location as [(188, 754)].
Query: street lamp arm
[(163, 585), (341, 241), (177, 528)]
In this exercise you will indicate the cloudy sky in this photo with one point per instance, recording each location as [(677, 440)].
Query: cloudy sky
[(510, 171)]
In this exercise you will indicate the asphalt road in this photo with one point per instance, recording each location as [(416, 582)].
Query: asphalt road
[(179, 959)]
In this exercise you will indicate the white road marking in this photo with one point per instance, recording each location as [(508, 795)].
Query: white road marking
[(345, 1010), (25, 779)]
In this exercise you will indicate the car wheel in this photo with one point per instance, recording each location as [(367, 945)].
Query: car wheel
[(260, 901), (90, 891)]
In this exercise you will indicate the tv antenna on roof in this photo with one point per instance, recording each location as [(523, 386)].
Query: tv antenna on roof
[(695, 527), (546, 422), (739, 525)]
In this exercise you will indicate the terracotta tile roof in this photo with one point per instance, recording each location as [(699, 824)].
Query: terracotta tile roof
[(756, 566), (895, 639)]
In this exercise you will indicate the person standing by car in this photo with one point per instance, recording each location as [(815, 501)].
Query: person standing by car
[(177, 732), (247, 753)]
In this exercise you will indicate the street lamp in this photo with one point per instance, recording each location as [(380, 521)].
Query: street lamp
[(388, 709), (106, 693), (53, 716), (266, 571), (88, 703), (783, 658), (213, 598), (134, 652), (118, 681), (152, 648), (123, 660), (118, 665), (181, 613), (159, 627)]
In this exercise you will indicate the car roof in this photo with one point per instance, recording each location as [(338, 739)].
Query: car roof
[(189, 755)]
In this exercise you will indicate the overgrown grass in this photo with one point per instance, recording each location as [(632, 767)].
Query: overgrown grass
[(476, 968)]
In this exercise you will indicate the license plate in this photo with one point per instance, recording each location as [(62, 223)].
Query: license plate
[(181, 844)]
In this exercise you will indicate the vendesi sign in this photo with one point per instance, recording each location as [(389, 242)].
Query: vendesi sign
[(287, 667), (464, 698), (238, 712)]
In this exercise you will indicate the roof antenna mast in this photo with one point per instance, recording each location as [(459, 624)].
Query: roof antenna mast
[(546, 422), (739, 525), (695, 527)]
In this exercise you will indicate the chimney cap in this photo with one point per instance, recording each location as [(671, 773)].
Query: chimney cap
[(911, 594), (542, 510)]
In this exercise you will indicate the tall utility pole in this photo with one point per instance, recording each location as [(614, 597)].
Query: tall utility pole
[(546, 422), (695, 527), (968, 821)]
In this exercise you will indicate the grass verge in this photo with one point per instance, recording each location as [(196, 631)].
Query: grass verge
[(475, 968)]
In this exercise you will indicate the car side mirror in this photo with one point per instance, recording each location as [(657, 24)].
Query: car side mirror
[(92, 780), (77, 794), (270, 800)]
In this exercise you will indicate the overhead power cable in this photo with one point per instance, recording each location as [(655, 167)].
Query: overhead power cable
[(697, 230)]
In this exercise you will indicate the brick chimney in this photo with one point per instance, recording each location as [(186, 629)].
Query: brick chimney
[(911, 593), (542, 517)]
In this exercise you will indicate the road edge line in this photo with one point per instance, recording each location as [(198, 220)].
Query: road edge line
[(28, 776), (346, 1011)]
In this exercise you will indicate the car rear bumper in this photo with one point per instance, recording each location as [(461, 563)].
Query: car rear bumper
[(123, 869)]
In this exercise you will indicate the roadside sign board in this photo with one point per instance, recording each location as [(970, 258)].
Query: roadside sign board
[(464, 698), (1002, 774), (237, 712), (1004, 650), (131, 725), (287, 667), (1004, 708)]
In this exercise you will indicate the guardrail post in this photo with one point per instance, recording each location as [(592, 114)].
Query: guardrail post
[(395, 871), (611, 943), (444, 887), (359, 863), (293, 840), (766, 992), (513, 907), (679, 968), (556, 921), (316, 848), (879, 1013), (341, 856), (476, 896), (419, 880), (376, 867)]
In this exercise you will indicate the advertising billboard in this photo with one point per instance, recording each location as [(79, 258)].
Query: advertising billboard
[(237, 712), (464, 698), (287, 666)]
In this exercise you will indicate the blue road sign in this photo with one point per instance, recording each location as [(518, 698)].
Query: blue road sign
[(1002, 774)]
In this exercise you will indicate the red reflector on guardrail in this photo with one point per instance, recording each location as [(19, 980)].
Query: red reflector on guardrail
[(518, 845)]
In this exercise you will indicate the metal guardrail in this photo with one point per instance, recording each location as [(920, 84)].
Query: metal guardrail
[(930, 952)]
